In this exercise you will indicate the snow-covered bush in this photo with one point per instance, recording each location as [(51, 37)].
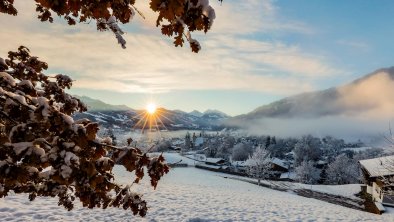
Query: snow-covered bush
[(241, 151), (45, 152), (369, 154), (307, 173), (176, 18), (343, 171), (259, 164), (332, 147), (307, 149)]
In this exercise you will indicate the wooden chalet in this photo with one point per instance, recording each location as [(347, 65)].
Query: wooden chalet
[(379, 178)]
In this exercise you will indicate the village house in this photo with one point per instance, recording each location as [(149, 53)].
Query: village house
[(239, 166), (278, 167), (379, 178), (215, 161)]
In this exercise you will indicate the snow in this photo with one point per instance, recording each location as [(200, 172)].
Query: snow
[(190, 194), (66, 171), (68, 145), (26, 83), (67, 119), (358, 149), (38, 151), (113, 25), (103, 161), (239, 163), (175, 158), (7, 78), (279, 162), (199, 141), (196, 157), (20, 147), (381, 166), (347, 190), (288, 175), (71, 157), (97, 117), (380, 207), (213, 160), (42, 101)]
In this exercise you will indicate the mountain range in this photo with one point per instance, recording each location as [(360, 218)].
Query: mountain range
[(124, 117), (371, 96)]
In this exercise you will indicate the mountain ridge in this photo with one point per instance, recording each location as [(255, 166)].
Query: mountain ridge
[(323, 102)]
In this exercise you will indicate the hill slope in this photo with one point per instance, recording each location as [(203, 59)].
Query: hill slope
[(98, 105), (190, 194), (369, 94)]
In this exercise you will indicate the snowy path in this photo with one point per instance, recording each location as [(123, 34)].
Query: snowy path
[(189, 194)]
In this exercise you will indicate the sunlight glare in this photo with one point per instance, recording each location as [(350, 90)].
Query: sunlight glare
[(151, 108)]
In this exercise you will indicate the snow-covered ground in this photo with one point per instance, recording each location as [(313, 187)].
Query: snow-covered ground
[(348, 190), (176, 158), (190, 194)]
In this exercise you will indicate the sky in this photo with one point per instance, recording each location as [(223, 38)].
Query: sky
[(257, 52)]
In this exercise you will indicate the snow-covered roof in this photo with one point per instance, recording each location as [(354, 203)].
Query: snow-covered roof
[(240, 163), (382, 166), (288, 175), (322, 162), (380, 207), (214, 160), (279, 162), (177, 142), (211, 166)]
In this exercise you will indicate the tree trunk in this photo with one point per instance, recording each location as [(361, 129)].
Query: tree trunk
[(258, 181)]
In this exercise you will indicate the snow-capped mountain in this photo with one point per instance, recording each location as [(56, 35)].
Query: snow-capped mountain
[(98, 105), (214, 114), (124, 117), (196, 113)]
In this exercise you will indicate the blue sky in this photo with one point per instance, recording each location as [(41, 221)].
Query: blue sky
[(258, 51)]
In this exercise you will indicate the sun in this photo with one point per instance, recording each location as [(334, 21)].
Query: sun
[(151, 108), (151, 118)]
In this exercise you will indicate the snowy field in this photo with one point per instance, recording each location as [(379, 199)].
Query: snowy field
[(190, 194)]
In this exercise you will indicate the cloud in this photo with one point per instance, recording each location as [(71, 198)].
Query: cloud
[(359, 45), (362, 109), (252, 16), (370, 98), (229, 60), (338, 126)]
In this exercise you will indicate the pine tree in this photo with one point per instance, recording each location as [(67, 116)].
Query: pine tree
[(268, 142)]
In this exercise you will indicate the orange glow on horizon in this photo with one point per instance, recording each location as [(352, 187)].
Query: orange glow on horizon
[(150, 119)]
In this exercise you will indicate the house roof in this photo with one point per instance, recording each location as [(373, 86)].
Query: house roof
[(382, 166), (322, 162), (214, 160), (240, 163), (288, 175), (279, 162)]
